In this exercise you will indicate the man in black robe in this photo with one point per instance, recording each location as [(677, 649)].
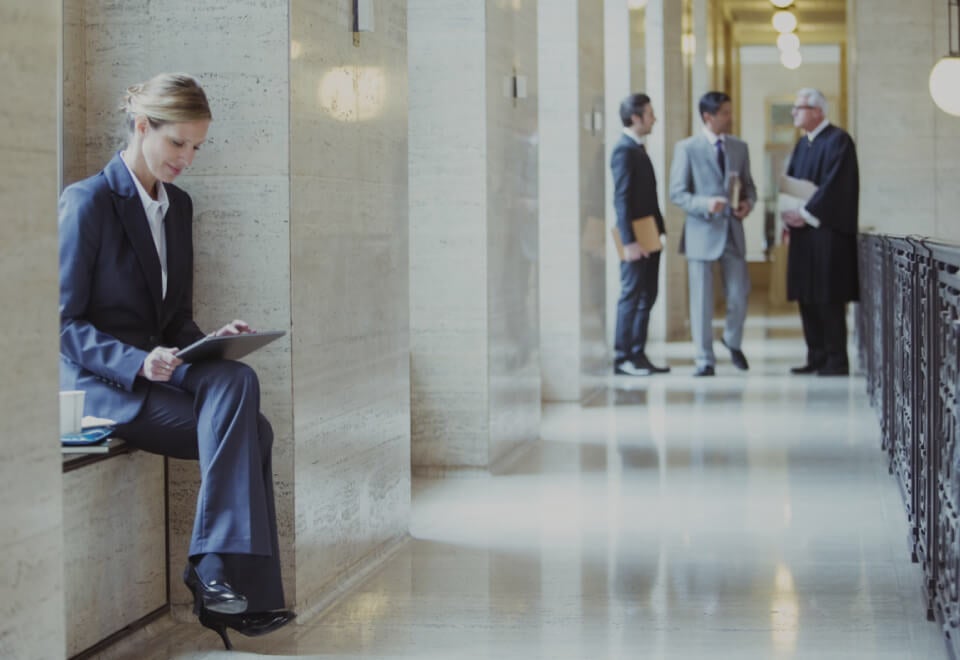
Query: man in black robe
[(822, 263)]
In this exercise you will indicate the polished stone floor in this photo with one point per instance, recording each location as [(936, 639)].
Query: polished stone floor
[(747, 516)]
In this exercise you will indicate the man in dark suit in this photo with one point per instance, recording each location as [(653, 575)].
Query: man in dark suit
[(822, 274), (634, 197)]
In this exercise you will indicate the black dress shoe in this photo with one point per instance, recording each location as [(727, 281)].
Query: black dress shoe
[(642, 362), (251, 624), (214, 596), (833, 371), (705, 370), (805, 369), (737, 357)]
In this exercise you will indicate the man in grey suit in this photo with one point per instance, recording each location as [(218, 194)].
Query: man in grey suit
[(702, 176)]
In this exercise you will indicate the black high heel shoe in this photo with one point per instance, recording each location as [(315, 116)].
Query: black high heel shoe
[(215, 596), (216, 625), (251, 624)]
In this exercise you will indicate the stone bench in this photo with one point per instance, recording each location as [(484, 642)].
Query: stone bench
[(115, 548)]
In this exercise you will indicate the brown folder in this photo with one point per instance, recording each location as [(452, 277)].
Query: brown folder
[(734, 190), (646, 232)]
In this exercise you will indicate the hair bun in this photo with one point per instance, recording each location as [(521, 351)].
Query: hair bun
[(129, 99)]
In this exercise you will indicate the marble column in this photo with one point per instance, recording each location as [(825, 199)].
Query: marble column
[(349, 293), (31, 525), (571, 174), (666, 84), (620, 62), (300, 224), (909, 152), (638, 60), (699, 69), (474, 333)]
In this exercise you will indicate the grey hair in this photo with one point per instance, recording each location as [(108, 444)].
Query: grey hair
[(814, 97)]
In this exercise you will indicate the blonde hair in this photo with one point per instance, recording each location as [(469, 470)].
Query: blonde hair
[(165, 99)]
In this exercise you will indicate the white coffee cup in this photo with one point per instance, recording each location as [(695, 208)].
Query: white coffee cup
[(71, 411)]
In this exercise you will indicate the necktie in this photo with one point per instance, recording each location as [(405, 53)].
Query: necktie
[(721, 161)]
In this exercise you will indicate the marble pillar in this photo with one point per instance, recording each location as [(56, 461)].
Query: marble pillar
[(667, 86), (910, 152), (300, 224), (619, 63), (73, 123), (474, 335), (349, 292), (571, 174), (31, 525), (699, 69), (633, 65)]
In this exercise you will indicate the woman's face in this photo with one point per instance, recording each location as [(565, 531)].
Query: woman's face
[(170, 148)]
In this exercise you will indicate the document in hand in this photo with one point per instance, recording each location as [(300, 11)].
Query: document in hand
[(794, 193), (228, 347), (797, 187), (646, 232)]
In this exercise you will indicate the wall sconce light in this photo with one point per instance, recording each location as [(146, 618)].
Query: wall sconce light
[(636, 4), (781, 4), (353, 94), (519, 87), (515, 86), (593, 122), (362, 19), (945, 76), (784, 21)]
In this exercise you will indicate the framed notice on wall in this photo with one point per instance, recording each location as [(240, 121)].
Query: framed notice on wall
[(779, 120)]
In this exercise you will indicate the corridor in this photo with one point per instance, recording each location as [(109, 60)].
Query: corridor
[(744, 516)]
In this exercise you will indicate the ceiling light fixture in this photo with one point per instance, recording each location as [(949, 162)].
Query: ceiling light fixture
[(781, 4), (788, 41), (945, 76), (791, 59), (784, 21)]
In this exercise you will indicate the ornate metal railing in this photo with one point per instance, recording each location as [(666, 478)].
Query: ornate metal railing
[(909, 334)]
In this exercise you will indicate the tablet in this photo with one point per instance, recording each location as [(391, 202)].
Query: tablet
[(228, 347)]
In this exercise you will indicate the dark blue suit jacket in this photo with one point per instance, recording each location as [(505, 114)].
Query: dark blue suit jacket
[(112, 311), (634, 187)]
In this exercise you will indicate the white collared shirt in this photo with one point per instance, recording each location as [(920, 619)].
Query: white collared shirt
[(155, 210), (810, 218), (712, 137), (812, 135), (633, 136)]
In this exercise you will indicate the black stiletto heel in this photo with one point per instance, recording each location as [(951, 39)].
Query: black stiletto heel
[(251, 624), (216, 626)]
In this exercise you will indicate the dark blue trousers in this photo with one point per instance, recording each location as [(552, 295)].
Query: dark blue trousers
[(638, 292), (212, 414)]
